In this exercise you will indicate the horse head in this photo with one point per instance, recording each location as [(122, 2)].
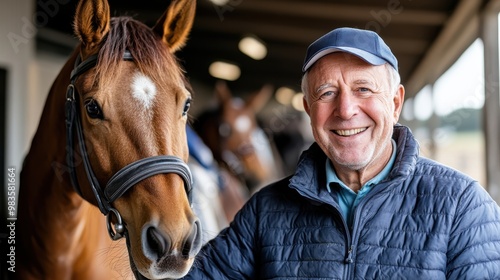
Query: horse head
[(233, 134), (130, 99)]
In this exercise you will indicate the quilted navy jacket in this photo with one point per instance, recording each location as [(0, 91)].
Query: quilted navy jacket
[(425, 221)]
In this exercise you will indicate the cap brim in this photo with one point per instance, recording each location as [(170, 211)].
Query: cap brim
[(366, 56)]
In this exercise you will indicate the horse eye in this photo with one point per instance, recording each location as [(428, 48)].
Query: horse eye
[(93, 109), (187, 105)]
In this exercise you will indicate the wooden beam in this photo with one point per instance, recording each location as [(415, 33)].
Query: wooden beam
[(292, 34), (458, 33), (491, 109), (329, 11), (296, 34)]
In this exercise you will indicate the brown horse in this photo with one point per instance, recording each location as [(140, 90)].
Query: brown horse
[(246, 155), (113, 126)]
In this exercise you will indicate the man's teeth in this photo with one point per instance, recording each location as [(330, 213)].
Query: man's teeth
[(350, 132)]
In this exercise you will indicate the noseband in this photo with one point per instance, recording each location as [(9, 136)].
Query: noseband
[(125, 178)]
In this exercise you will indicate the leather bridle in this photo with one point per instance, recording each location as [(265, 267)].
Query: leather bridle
[(125, 178)]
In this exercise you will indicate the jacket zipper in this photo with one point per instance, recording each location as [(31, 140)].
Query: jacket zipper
[(348, 260), (354, 234), (353, 239), (350, 244)]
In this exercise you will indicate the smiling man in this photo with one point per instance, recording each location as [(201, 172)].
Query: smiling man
[(353, 107), (362, 203)]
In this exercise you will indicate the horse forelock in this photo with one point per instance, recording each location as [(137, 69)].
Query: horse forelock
[(150, 54)]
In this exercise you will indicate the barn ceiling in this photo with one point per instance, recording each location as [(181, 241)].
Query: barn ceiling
[(287, 27)]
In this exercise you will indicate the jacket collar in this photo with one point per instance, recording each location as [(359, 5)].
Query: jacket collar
[(407, 152)]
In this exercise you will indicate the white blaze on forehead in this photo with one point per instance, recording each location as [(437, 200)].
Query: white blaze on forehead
[(242, 124), (143, 89)]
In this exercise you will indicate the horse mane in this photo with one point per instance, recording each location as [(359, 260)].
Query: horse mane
[(148, 50)]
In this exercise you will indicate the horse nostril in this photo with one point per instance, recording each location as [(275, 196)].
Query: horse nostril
[(192, 245), (155, 245)]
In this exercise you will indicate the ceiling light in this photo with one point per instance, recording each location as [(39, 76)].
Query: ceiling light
[(253, 47), (297, 101), (219, 2), (224, 70), (284, 95)]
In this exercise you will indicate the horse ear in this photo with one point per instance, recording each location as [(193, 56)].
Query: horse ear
[(175, 24), (92, 22), (259, 99), (222, 92)]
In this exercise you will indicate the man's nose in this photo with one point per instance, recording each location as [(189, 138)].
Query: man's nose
[(346, 105)]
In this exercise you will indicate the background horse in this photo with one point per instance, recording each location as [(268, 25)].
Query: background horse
[(122, 100), (246, 156)]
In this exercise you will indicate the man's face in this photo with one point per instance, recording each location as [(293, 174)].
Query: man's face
[(352, 109)]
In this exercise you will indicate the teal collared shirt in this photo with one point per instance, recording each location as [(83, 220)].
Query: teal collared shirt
[(348, 199)]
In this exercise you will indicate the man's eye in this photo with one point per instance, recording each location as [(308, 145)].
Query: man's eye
[(364, 90), (327, 95)]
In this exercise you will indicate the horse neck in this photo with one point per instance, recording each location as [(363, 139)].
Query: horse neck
[(44, 166), (51, 216)]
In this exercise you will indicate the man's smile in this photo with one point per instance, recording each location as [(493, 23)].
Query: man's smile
[(349, 132)]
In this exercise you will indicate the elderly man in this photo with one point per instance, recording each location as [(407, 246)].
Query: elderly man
[(362, 203)]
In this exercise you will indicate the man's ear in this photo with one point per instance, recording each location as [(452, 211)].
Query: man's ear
[(306, 105), (398, 100)]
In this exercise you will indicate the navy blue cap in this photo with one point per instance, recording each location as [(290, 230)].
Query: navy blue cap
[(364, 44)]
